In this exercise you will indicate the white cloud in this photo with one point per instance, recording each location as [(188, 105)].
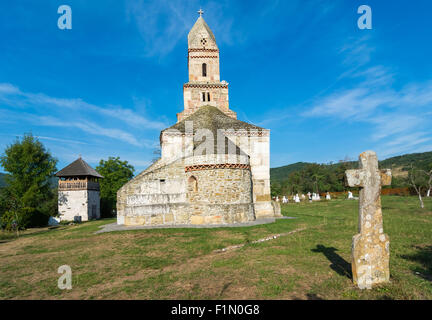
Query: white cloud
[(131, 118), (355, 103), (400, 118), (7, 88), (376, 75), (394, 123), (411, 139), (161, 23), (59, 140), (357, 51), (11, 95), (89, 127)]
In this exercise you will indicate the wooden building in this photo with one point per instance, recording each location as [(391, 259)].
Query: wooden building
[(78, 192)]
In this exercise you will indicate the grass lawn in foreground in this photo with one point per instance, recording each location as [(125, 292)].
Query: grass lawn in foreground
[(181, 263)]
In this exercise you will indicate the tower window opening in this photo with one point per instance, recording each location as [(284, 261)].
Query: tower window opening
[(208, 96), (204, 70), (203, 96)]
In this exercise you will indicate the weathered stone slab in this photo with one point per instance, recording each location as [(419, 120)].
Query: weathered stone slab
[(370, 247)]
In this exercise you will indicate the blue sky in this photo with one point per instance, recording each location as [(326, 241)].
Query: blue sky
[(325, 88)]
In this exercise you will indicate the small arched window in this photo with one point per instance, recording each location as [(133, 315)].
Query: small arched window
[(208, 96), (204, 70), (192, 184)]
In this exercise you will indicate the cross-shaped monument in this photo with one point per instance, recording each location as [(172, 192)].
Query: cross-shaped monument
[(201, 12), (370, 247)]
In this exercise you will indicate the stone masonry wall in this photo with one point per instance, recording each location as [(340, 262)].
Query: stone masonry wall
[(195, 61), (151, 195), (168, 195), (220, 196), (193, 99), (257, 146)]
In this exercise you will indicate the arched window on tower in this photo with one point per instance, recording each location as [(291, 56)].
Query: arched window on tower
[(208, 96), (192, 184), (203, 96), (204, 70)]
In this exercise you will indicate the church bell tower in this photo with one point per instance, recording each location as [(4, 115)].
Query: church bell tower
[(204, 86)]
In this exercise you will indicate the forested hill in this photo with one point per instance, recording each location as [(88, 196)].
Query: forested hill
[(420, 160), (281, 173), (400, 164)]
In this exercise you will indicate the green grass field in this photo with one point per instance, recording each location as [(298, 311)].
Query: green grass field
[(313, 263)]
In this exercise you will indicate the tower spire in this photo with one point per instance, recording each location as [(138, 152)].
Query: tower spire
[(204, 87)]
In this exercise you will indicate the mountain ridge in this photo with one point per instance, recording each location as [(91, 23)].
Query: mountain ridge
[(399, 164)]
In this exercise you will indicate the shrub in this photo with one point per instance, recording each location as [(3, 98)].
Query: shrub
[(23, 218)]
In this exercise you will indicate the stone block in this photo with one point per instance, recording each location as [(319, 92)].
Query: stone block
[(156, 219), (169, 218), (197, 220)]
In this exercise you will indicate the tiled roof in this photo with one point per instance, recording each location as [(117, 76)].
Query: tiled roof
[(78, 168)]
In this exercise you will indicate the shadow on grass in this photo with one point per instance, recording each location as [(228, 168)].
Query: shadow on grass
[(309, 296), (423, 256), (313, 296), (339, 264)]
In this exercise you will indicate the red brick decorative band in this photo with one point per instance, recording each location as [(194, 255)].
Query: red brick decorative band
[(205, 57), (203, 50), (199, 167), (248, 133), (205, 85)]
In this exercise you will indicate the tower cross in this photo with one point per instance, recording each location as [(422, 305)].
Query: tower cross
[(370, 247), (201, 12)]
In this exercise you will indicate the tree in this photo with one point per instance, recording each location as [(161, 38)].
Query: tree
[(417, 180), (116, 173), (429, 183), (26, 196)]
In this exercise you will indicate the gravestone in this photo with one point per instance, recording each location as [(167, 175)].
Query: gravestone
[(370, 247)]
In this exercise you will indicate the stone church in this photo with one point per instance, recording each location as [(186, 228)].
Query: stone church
[(213, 169)]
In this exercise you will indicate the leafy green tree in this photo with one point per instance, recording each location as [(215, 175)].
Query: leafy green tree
[(275, 189), (116, 173), (418, 181), (26, 194)]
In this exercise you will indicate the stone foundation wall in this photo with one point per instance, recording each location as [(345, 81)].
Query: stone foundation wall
[(180, 214)]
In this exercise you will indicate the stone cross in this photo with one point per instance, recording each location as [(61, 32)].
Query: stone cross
[(370, 247), (200, 11)]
